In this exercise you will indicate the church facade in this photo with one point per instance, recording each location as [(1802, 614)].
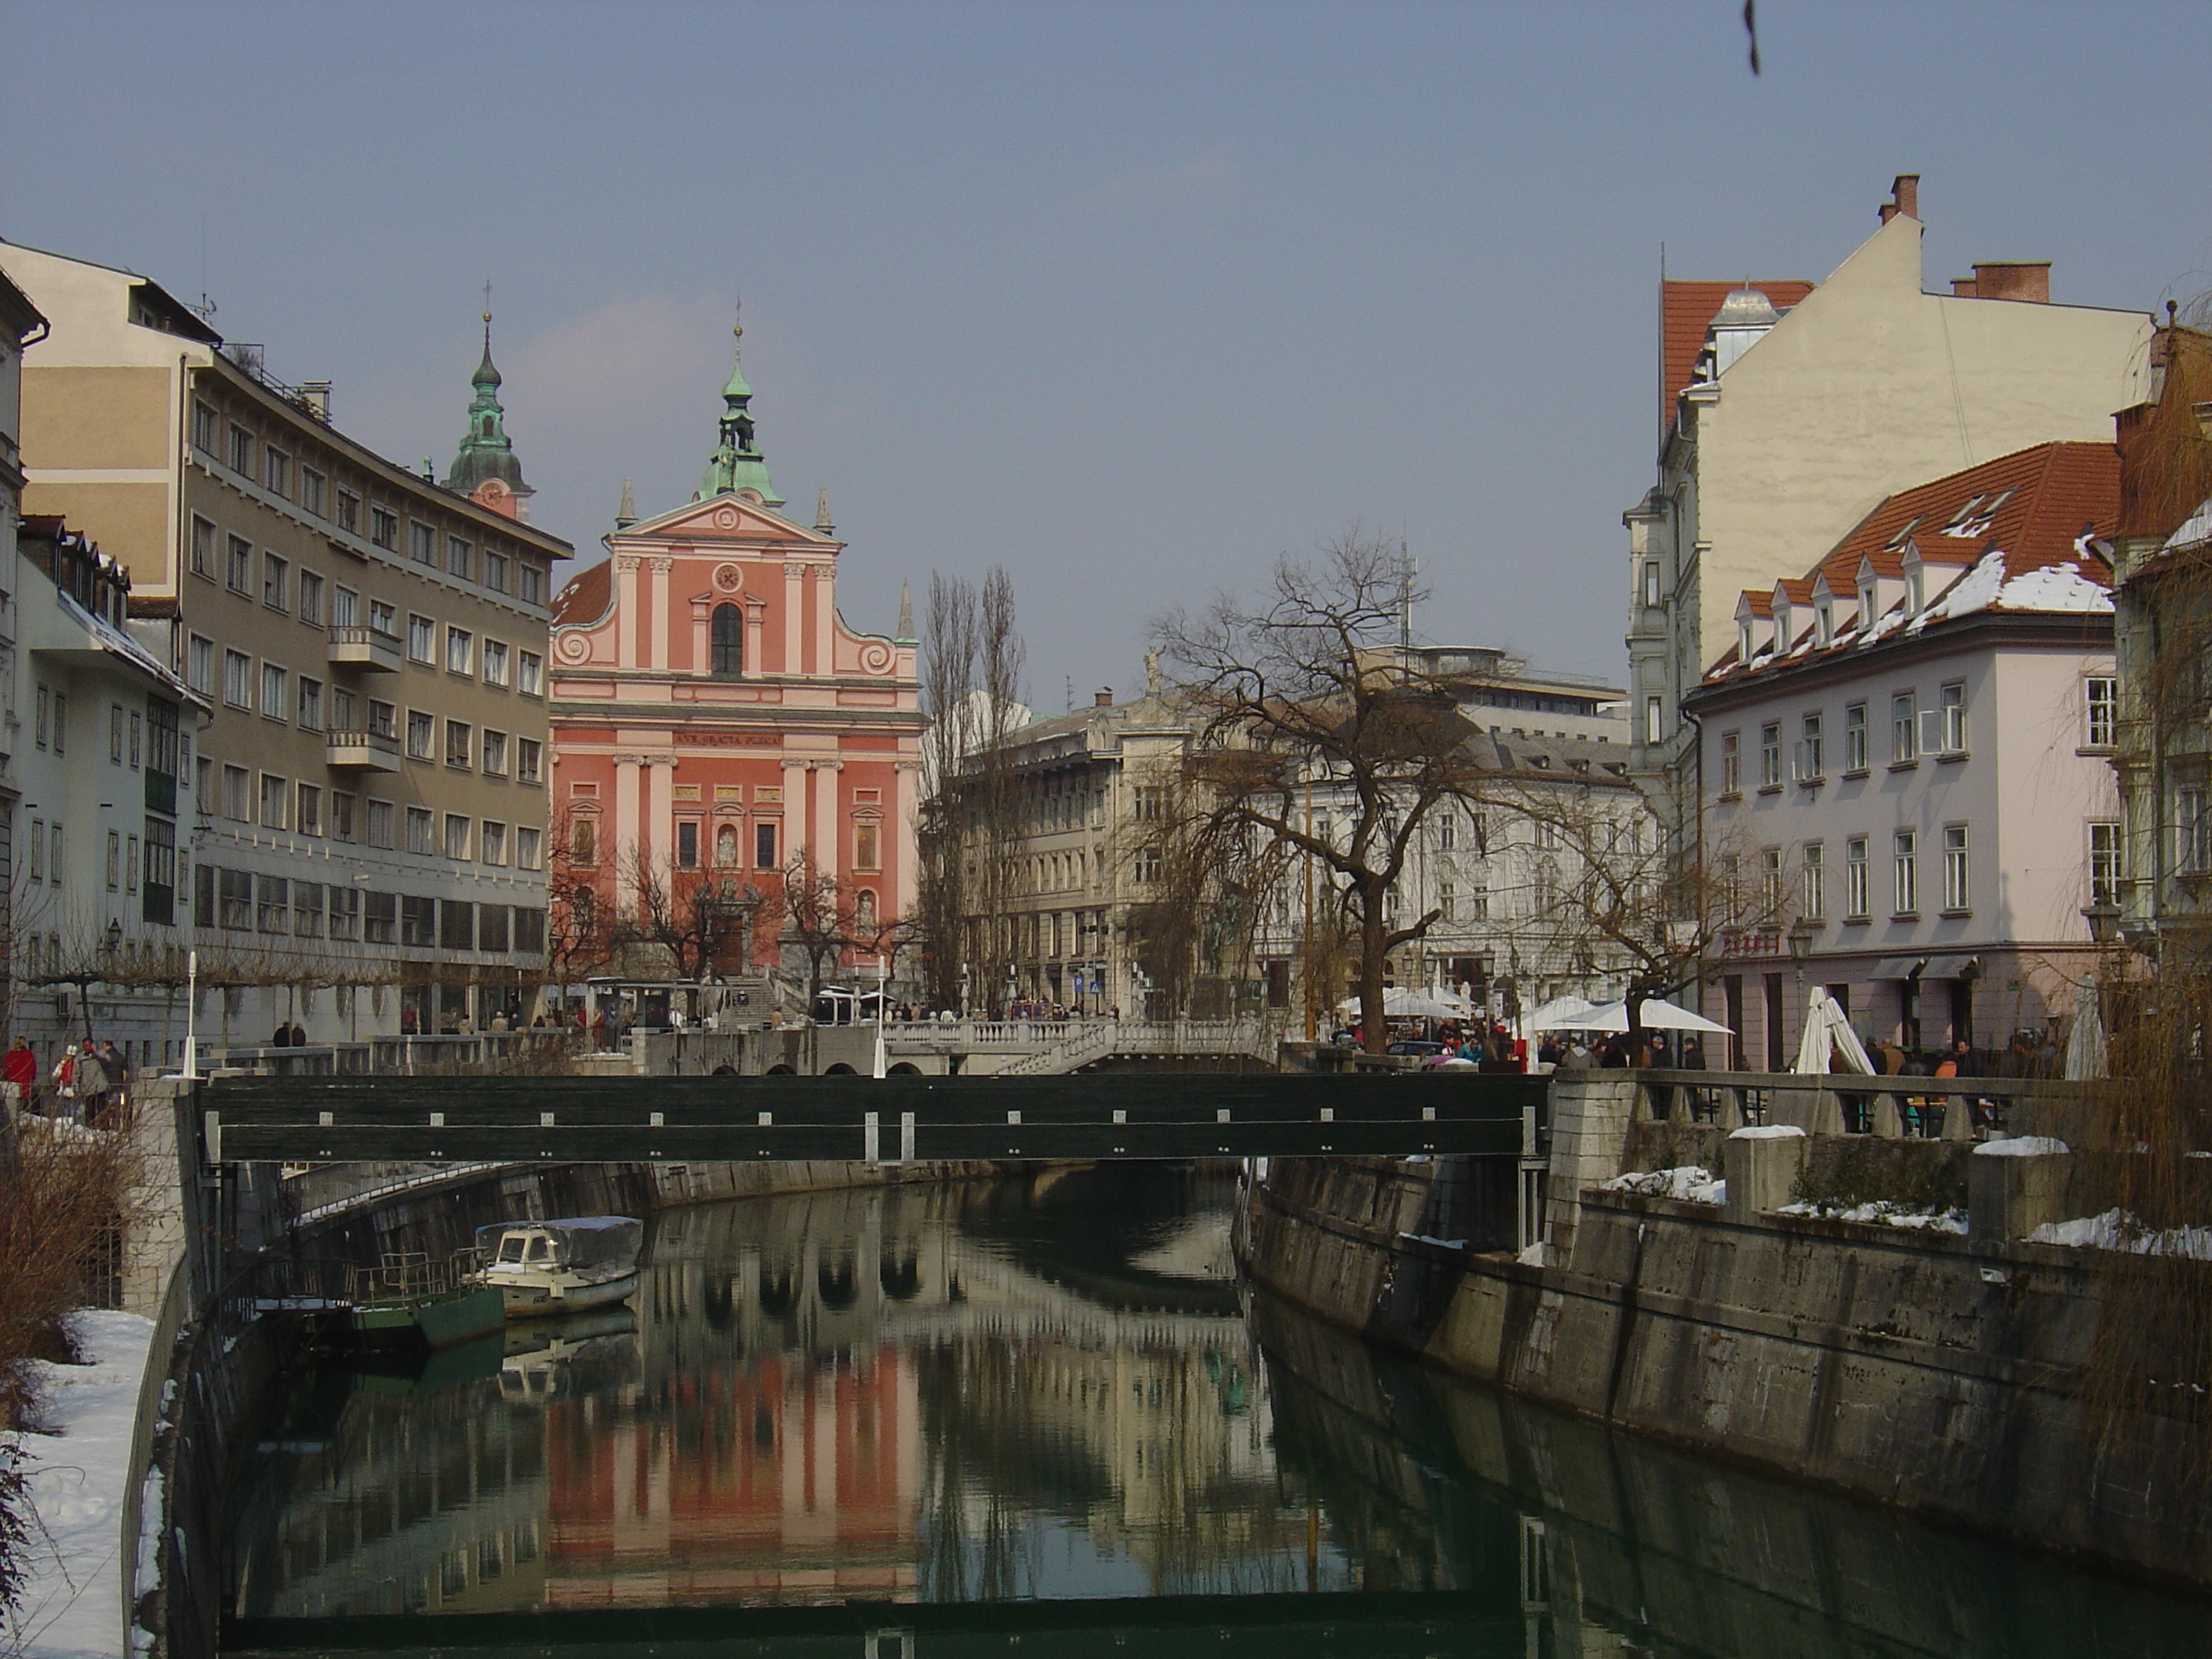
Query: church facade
[(722, 739)]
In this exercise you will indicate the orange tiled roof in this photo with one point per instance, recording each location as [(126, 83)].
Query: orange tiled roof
[(1685, 309), (2037, 506), (584, 598)]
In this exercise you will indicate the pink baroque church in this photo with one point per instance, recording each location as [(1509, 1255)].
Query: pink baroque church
[(716, 723)]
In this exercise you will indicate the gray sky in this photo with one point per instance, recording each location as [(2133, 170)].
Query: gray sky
[(1130, 298)]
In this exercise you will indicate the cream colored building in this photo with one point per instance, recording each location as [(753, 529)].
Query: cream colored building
[(1783, 428), (368, 798)]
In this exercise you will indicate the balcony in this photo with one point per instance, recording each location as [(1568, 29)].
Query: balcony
[(363, 751), (364, 648)]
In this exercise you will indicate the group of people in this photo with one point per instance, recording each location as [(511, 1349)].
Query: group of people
[(90, 1084), (1571, 1051)]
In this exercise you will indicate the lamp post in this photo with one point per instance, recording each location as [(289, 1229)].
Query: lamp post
[(1800, 945)]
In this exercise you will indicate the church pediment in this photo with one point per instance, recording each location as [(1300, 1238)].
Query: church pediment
[(725, 519)]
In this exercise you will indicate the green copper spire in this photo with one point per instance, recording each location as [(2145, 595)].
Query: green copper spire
[(486, 452), (736, 464)]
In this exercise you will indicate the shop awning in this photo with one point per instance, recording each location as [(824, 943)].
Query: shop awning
[(1897, 967), (1951, 967)]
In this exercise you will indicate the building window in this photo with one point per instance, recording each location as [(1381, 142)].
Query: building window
[(460, 651), (1812, 758), (114, 861), (457, 836), (43, 726), (349, 512), (1855, 877), (310, 704), (379, 918), (61, 723), (491, 842), (418, 920), (130, 867), (203, 428), (495, 571), (310, 490), (237, 679), (1731, 764), (1815, 881), (495, 754), (202, 548), (728, 628), (1769, 896), (422, 640), (311, 598), (528, 673), (1906, 866), (341, 815), (1904, 728), (275, 701), (241, 452), (272, 905), (867, 845), (461, 745), (384, 528), (381, 718), (308, 813), (494, 662), (528, 760), (460, 559), (418, 830), (238, 567), (115, 734), (422, 735), (1854, 738), (344, 911), (1652, 581), (422, 543), (1655, 723), (378, 825), (2191, 832), (528, 843), (1951, 701), (237, 787), (158, 895), (764, 846), (2104, 863), (687, 844), (237, 890), (1957, 895), (275, 793), (530, 582), (2101, 694), (1769, 754), (306, 909), (277, 471), (384, 620), (38, 849)]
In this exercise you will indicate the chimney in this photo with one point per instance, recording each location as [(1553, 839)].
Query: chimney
[(1103, 697), (316, 395), (1962, 287), (1904, 198), (2028, 280)]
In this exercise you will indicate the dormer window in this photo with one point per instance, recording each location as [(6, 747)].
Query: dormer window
[(1915, 588), (1868, 614), (1973, 520), (1905, 532), (1824, 624), (1743, 640), (1782, 628)]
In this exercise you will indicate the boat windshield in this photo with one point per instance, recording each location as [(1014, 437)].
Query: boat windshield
[(541, 1249), (512, 1246)]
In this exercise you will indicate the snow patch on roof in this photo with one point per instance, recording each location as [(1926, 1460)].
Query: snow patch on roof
[(2055, 587), (2198, 528)]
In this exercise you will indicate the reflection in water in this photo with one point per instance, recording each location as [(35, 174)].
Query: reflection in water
[(1025, 1393)]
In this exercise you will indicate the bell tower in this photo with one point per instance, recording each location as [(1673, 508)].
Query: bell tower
[(484, 467)]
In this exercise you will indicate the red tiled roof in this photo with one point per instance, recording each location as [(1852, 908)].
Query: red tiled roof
[(1685, 309), (584, 598)]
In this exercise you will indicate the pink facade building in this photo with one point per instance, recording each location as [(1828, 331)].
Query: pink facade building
[(714, 718)]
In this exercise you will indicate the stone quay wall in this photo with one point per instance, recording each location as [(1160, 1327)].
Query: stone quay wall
[(1944, 1374)]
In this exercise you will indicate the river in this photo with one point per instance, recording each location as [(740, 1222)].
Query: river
[(916, 1422)]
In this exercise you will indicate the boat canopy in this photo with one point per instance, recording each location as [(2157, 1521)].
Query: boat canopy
[(587, 1241)]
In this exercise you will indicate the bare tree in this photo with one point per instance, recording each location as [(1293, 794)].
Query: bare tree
[(580, 923), (1305, 686), (702, 924), (818, 919)]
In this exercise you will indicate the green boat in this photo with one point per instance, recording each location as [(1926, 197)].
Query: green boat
[(411, 1302)]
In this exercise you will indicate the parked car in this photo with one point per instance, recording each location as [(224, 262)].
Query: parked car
[(1414, 1046)]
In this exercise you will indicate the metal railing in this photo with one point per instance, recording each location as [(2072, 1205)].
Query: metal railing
[(1885, 1107)]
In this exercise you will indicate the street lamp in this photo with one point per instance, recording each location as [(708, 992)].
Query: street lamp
[(1800, 945), (2104, 919)]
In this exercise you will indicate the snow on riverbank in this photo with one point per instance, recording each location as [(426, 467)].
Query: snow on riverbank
[(1690, 1183), (1883, 1213), (72, 1606)]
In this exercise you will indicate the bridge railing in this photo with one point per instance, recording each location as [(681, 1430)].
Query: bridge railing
[(1845, 1103)]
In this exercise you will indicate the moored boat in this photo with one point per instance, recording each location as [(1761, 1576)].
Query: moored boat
[(559, 1266), (409, 1301)]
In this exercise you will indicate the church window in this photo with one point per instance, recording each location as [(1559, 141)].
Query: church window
[(687, 844), (729, 640), (487, 426), (764, 846), (867, 845)]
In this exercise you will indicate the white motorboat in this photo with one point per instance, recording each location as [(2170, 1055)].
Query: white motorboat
[(560, 1267)]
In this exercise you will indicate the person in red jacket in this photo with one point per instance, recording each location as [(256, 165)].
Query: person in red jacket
[(20, 1067)]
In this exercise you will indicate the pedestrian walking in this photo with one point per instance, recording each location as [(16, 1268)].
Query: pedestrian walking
[(20, 1067), (88, 1078)]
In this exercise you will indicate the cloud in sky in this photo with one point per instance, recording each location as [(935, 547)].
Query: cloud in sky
[(1213, 173)]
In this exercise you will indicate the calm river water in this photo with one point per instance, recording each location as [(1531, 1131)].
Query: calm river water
[(1044, 1413)]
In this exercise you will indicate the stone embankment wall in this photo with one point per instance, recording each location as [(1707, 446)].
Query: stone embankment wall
[(1944, 1374)]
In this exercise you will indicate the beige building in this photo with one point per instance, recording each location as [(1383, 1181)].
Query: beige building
[(367, 799), (1791, 411)]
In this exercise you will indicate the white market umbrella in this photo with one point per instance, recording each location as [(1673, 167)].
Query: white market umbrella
[(1655, 1015), (1827, 1034), (2086, 1055), (1399, 1002), (1560, 1014)]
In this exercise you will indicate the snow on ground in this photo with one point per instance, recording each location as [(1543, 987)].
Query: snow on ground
[(2117, 1229), (1883, 1213), (72, 1598), (1691, 1184)]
